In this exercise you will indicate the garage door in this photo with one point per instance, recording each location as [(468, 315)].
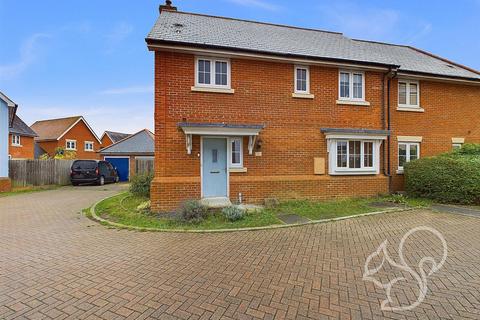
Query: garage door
[(122, 165)]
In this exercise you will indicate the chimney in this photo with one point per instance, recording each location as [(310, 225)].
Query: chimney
[(167, 6)]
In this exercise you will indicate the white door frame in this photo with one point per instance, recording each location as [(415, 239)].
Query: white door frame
[(201, 163)]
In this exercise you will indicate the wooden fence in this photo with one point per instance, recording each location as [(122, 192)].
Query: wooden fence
[(143, 166), (39, 172)]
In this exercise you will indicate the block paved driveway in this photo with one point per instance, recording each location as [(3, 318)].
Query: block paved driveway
[(55, 263)]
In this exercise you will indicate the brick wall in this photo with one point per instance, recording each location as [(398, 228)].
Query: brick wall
[(25, 151), (291, 138), (106, 141), (80, 133), (5, 184)]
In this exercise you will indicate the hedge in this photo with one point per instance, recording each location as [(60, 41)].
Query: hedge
[(449, 178)]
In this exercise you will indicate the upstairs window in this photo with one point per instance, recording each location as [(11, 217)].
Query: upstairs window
[(408, 93), (302, 79), (352, 85), (16, 140), (88, 146), (71, 145), (212, 72)]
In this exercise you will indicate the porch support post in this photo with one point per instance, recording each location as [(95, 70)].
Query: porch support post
[(251, 144), (188, 143)]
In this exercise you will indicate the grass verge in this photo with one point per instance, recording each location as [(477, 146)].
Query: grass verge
[(30, 189), (122, 209)]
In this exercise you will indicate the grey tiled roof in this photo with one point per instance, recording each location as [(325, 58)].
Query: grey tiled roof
[(19, 127), (116, 136), (141, 142), (218, 32)]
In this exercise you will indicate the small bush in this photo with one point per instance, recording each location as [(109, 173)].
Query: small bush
[(233, 213), (468, 149), (449, 179), (193, 211), (397, 198), (140, 185)]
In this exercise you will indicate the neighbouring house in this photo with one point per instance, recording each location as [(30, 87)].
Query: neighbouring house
[(246, 111), (110, 137), (8, 109), (72, 134), (126, 153), (21, 140)]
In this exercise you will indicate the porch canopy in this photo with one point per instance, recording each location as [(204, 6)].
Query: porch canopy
[(346, 133), (220, 129)]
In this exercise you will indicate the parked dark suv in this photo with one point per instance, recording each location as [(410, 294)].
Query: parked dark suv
[(92, 171)]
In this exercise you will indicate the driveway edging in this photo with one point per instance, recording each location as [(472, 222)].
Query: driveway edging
[(101, 220)]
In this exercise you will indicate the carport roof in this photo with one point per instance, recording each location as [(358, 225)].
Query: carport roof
[(140, 143)]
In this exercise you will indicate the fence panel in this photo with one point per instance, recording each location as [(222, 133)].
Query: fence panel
[(143, 166), (39, 172)]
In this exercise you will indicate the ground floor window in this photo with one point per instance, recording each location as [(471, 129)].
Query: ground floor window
[(354, 156), (236, 154), (407, 151)]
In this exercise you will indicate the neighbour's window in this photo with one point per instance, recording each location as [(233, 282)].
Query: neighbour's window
[(407, 151), (16, 140), (88, 146), (302, 79), (236, 159), (71, 145), (456, 145), (212, 72), (352, 85), (408, 93)]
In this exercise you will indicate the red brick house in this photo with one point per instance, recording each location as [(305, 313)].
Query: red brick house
[(72, 133), (111, 137), (21, 140), (247, 111)]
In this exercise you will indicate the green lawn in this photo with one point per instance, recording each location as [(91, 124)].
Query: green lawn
[(22, 190), (121, 209)]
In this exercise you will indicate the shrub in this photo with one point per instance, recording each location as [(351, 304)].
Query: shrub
[(233, 213), (140, 185), (449, 179), (193, 211), (468, 149)]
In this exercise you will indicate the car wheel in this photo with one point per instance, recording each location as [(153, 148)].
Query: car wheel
[(101, 181)]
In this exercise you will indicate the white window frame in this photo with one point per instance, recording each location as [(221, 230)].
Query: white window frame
[(332, 160), (87, 143), (230, 151), (71, 141), (307, 69), (351, 74), (408, 144), (212, 73), (407, 104), (16, 140), (457, 145)]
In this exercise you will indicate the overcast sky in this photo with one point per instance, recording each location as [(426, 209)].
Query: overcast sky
[(61, 58)]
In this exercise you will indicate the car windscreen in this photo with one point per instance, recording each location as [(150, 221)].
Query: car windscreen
[(84, 165)]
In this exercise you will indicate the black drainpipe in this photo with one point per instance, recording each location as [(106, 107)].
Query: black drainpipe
[(391, 74)]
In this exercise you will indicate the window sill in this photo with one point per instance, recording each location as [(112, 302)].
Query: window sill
[(410, 109), (400, 171), (89, 150), (303, 95), (213, 90), (352, 173), (353, 103), (239, 170), (70, 149), (16, 145)]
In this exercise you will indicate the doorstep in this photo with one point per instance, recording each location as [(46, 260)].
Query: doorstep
[(217, 202)]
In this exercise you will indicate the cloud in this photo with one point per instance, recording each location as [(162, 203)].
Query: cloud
[(117, 35), (360, 21), (257, 3), (128, 90), (28, 54), (424, 31)]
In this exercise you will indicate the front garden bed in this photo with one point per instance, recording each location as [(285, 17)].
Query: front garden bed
[(121, 211)]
